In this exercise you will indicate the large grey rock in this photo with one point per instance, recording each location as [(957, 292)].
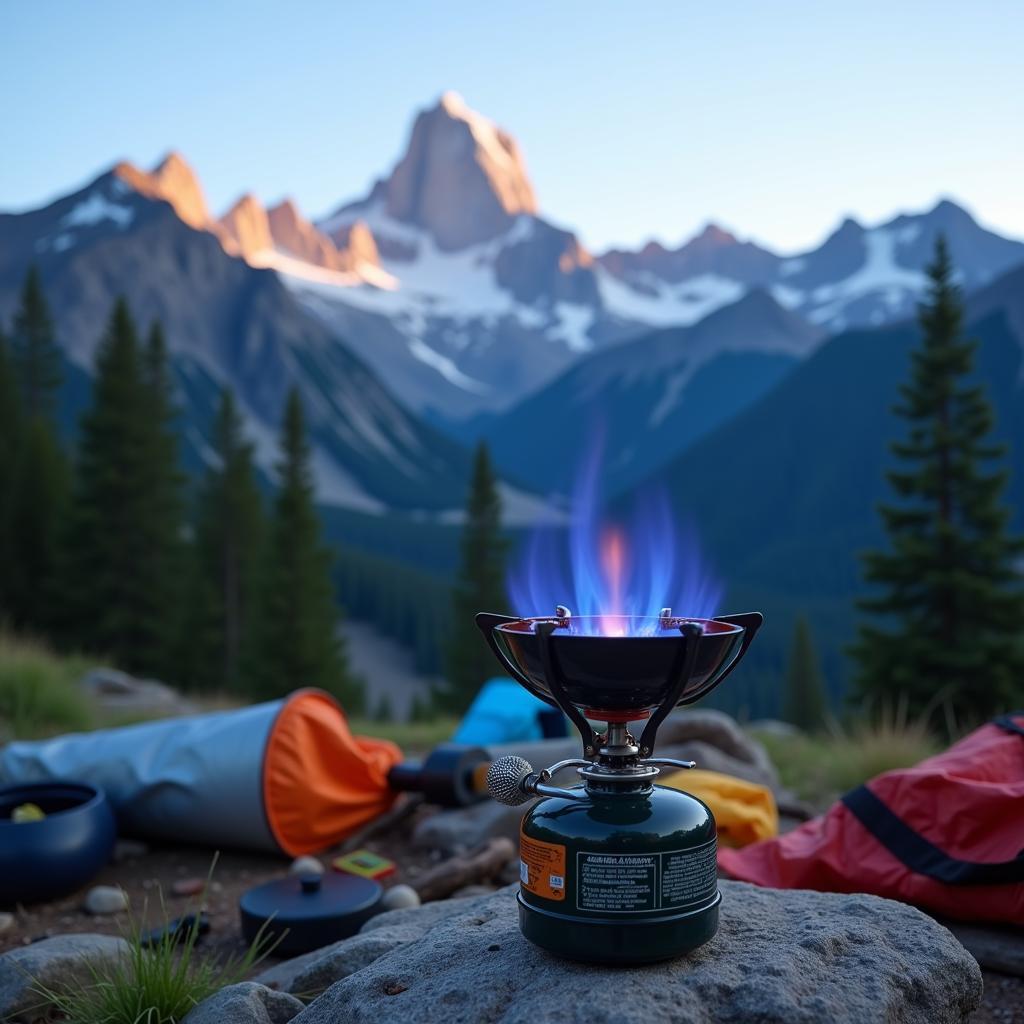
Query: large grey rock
[(245, 1003), (795, 957), (310, 974), (50, 965)]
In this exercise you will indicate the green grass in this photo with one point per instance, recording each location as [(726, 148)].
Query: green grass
[(412, 737), (39, 694), (819, 768), (156, 984)]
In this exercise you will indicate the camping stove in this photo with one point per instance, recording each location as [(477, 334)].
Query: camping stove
[(614, 869)]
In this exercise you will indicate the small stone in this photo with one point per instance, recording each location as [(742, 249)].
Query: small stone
[(188, 886), (7, 921), (245, 1003), (398, 897), (128, 849), (106, 899), (306, 866)]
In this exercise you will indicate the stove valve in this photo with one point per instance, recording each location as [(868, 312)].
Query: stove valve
[(506, 779)]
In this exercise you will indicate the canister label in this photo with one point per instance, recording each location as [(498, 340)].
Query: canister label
[(636, 883), (542, 868)]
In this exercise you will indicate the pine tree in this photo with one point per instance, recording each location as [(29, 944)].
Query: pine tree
[(479, 587), (805, 688), (123, 550), (162, 493), (950, 604), (40, 484), (10, 443), (297, 641), (34, 348), (229, 536)]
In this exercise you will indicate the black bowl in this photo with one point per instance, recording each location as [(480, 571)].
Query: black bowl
[(52, 857), (622, 675)]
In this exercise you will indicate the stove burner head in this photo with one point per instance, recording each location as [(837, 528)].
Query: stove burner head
[(623, 676)]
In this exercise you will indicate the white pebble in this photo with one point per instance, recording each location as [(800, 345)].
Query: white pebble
[(306, 866), (398, 897), (106, 899)]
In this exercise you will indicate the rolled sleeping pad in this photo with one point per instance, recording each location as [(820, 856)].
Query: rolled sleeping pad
[(283, 776)]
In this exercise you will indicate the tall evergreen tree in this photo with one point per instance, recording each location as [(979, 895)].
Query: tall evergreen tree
[(297, 640), (35, 350), (805, 688), (479, 587), (122, 555), (10, 443), (950, 601), (41, 476), (162, 492), (229, 535)]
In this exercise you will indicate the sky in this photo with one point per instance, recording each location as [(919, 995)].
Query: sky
[(637, 120)]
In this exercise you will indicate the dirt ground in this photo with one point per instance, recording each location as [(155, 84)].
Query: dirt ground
[(149, 877), (148, 880)]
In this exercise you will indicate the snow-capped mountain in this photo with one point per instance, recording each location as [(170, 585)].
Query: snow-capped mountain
[(443, 288), (859, 276), (486, 301), (229, 324)]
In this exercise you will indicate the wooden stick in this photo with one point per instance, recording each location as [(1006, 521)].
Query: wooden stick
[(479, 864), (401, 809)]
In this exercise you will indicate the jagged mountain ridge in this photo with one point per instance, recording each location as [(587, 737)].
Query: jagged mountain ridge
[(227, 324), (476, 270), (449, 285)]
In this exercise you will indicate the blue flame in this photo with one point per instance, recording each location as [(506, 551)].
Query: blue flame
[(604, 570)]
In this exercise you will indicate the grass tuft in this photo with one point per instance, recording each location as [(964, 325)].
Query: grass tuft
[(39, 695), (821, 767), (156, 983)]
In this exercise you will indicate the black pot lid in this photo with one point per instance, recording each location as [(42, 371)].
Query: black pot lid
[(312, 907)]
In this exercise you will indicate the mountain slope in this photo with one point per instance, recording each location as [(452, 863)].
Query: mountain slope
[(651, 398), (784, 496), (227, 324)]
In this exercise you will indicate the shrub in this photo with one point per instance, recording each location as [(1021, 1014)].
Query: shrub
[(39, 695), (818, 768)]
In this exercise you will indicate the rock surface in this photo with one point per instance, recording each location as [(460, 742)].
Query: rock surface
[(311, 973), (61, 961), (245, 1003), (795, 957)]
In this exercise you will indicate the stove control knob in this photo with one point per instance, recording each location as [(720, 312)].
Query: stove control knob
[(506, 778)]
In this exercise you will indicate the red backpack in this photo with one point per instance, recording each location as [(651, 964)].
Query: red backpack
[(946, 835)]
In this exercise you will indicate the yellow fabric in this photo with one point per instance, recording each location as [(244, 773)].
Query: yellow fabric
[(744, 811)]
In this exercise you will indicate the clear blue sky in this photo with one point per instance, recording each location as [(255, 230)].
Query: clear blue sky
[(637, 119)]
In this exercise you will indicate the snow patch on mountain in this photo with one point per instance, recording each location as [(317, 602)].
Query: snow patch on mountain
[(661, 304), (880, 274), (97, 208)]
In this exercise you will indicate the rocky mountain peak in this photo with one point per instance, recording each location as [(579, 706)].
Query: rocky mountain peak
[(246, 228), (356, 243), (173, 181), (462, 178), (298, 237)]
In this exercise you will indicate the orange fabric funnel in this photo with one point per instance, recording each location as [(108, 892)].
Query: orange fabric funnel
[(321, 783)]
